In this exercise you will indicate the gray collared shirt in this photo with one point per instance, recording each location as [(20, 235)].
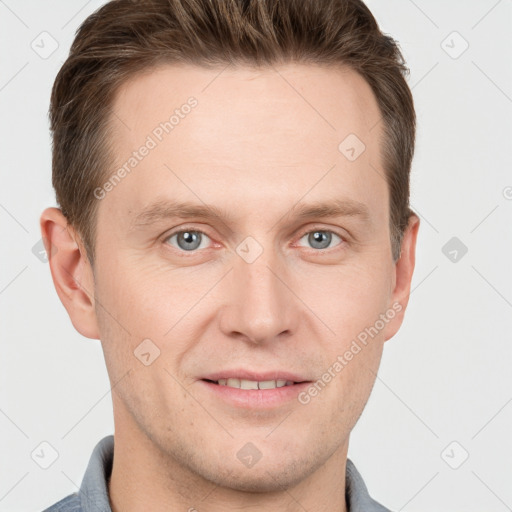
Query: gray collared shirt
[(93, 494)]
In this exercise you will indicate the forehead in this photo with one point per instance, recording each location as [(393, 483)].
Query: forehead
[(269, 132), (323, 99)]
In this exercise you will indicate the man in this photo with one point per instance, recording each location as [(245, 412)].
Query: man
[(234, 226)]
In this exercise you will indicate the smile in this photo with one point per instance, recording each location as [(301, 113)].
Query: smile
[(252, 384)]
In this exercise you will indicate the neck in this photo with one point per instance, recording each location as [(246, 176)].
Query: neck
[(144, 477)]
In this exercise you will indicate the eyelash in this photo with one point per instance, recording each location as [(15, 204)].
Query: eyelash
[(314, 230)]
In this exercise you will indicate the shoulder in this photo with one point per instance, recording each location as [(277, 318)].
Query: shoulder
[(93, 493), (70, 503), (357, 495)]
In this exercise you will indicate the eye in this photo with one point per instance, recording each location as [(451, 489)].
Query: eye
[(188, 240), (320, 238)]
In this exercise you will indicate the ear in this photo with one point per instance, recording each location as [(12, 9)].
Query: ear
[(71, 271), (404, 268)]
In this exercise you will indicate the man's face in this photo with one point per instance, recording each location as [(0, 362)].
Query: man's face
[(259, 293)]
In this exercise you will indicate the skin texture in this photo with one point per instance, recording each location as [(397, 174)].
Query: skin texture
[(258, 142)]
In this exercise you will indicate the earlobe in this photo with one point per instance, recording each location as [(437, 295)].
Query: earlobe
[(71, 271), (404, 268)]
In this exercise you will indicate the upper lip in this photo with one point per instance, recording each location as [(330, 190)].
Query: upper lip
[(255, 376)]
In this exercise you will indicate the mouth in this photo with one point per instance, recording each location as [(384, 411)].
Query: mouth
[(251, 390), (253, 384)]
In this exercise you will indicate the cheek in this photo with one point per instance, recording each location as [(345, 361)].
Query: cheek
[(354, 303), (138, 307), (152, 301), (148, 297), (349, 299)]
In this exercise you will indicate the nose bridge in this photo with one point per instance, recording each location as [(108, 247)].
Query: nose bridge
[(262, 304)]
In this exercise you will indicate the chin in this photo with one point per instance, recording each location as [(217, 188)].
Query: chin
[(262, 478)]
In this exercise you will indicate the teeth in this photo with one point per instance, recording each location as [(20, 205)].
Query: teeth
[(267, 384), (248, 384), (253, 384)]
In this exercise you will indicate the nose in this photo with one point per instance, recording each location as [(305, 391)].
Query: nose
[(260, 304)]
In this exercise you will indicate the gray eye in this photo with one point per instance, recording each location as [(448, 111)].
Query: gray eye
[(188, 240), (320, 239)]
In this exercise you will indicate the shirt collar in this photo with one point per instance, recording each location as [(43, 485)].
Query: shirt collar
[(94, 488)]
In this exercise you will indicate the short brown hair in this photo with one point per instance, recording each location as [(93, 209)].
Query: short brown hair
[(125, 37)]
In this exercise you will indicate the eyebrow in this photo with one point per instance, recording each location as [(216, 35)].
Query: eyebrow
[(163, 210)]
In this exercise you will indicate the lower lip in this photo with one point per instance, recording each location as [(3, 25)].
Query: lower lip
[(256, 398)]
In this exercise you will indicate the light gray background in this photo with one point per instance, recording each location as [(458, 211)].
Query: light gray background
[(445, 377)]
